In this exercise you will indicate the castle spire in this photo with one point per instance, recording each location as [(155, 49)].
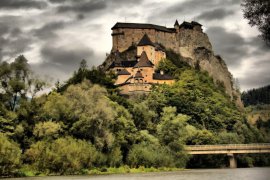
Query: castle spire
[(176, 23)]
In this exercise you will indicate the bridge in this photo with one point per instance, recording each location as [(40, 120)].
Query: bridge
[(229, 149)]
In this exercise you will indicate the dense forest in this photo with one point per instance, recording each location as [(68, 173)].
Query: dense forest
[(84, 125), (256, 96)]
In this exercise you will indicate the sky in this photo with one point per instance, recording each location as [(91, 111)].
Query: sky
[(55, 35)]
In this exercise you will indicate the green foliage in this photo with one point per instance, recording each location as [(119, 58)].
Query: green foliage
[(47, 129), (64, 156), (85, 128), (258, 14), (10, 156), (149, 155), (16, 81), (196, 95), (167, 66), (95, 75)]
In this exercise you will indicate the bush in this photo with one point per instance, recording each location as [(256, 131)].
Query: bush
[(149, 155), (64, 156), (10, 156)]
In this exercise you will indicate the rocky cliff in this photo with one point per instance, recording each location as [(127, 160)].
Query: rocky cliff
[(196, 50)]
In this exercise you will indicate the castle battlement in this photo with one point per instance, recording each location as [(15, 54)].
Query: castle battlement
[(126, 34)]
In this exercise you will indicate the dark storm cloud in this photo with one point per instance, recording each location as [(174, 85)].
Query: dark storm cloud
[(24, 4), (48, 30), (84, 6), (60, 62), (259, 45), (12, 40), (90, 6), (65, 58), (215, 14), (229, 45)]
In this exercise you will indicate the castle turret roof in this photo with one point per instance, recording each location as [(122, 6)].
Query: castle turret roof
[(145, 41), (176, 23), (144, 61)]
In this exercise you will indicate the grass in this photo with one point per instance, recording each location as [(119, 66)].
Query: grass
[(127, 169), (27, 171)]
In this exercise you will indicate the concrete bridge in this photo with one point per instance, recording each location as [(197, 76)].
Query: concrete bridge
[(229, 149)]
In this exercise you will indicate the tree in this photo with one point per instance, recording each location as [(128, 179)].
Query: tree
[(258, 14), (17, 81), (10, 155)]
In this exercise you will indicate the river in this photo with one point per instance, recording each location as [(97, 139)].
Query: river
[(193, 174)]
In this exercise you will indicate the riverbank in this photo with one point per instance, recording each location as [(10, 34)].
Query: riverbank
[(27, 171)]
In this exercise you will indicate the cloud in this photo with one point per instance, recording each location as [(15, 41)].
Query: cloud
[(48, 30), (192, 9), (229, 45), (83, 7), (12, 41), (22, 4), (65, 58), (257, 75), (216, 14), (59, 62), (91, 6), (258, 46)]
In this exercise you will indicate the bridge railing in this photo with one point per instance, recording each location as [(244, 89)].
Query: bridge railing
[(227, 146)]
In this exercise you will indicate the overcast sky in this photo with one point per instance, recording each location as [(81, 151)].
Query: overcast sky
[(55, 35)]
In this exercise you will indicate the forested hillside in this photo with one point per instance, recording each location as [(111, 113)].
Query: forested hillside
[(84, 125), (256, 96)]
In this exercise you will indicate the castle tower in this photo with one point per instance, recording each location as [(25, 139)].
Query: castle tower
[(153, 50)]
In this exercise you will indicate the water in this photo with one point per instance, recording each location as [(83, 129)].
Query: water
[(201, 174)]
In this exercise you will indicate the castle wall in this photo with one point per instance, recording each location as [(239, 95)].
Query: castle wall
[(150, 52), (159, 56), (125, 37)]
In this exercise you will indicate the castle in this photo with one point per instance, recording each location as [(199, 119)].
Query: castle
[(138, 75), (135, 42), (126, 34)]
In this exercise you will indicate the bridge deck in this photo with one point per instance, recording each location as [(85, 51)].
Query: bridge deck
[(228, 148)]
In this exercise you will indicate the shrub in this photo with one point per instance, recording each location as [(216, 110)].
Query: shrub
[(64, 155), (149, 155), (10, 156)]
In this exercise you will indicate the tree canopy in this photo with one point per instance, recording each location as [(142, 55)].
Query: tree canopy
[(85, 124), (258, 14)]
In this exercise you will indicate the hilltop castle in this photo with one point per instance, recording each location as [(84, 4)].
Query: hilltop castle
[(138, 75), (135, 42), (126, 34)]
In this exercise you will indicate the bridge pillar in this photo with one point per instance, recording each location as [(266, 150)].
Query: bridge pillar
[(233, 163)]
